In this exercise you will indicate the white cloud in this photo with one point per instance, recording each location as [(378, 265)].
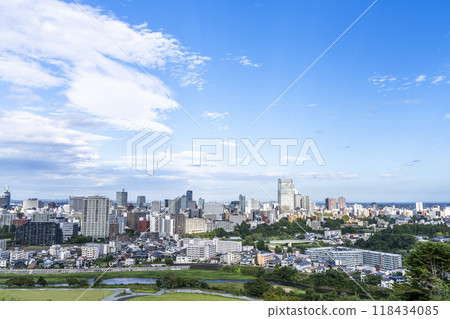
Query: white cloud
[(54, 44), (421, 78), (214, 115), (447, 116), (312, 105), (438, 79), (386, 175), (27, 136), (243, 60), (389, 83)]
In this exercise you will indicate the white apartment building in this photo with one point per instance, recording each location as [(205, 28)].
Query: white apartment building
[(231, 258), (16, 255), (129, 262), (356, 257), (95, 221), (89, 252), (201, 252), (3, 263), (183, 260), (227, 246)]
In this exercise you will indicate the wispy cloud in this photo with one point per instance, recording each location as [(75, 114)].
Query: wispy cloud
[(420, 78), (216, 119), (214, 115), (386, 83), (438, 79), (412, 163), (243, 60), (447, 116), (386, 175)]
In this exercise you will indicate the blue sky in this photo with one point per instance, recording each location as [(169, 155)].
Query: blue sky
[(376, 104)]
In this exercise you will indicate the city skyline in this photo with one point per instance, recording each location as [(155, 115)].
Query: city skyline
[(374, 105)]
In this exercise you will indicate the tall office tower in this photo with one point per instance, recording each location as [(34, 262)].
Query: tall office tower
[(342, 203), (242, 203), (122, 198), (95, 220), (419, 207), (5, 198), (189, 195), (156, 206), (174, 206), (180, 224), (140, 202), (297, 200), (330, 203), (286, 194), (183, 202), (305, 203), (254, 204), (192, 204), (76, 203), (201, 203)]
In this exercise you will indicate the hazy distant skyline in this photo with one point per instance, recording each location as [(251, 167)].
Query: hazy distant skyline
[(376, 104)]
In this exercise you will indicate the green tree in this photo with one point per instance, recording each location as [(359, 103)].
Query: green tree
[(256, 288), (428, 266), (42, 282), (260, 245), (278, 250), (168, 261)]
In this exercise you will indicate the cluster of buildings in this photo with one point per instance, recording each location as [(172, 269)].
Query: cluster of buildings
[(164, 229)]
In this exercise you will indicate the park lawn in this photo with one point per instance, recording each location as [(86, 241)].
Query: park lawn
[(53, 295), (181, 296), (150, 289)]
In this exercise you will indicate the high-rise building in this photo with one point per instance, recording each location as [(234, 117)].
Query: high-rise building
[(419, 207), (286, 194), (122, 198), (183, 203), (5, 198), (242, 203), (305, 203), (156, 206), (213, 210), (189, 195), (342, 203), (201, 203), (140, 202), (180, 224), (254, 204), (76, 203), (330, 203), (174, 206), (95, 220)]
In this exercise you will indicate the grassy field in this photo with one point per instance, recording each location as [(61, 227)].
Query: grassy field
[(52, 295), (188, 274), (184, 297)]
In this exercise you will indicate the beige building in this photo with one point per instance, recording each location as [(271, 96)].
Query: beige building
[(195, 225)]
